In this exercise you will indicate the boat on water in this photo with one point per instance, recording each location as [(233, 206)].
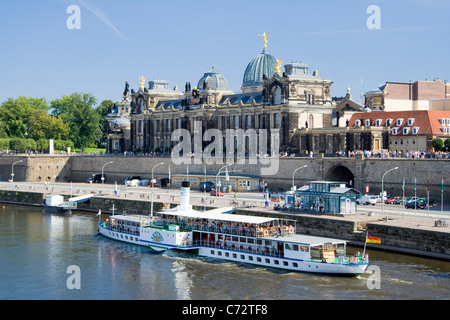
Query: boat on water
[(263, 241), (54, 203)]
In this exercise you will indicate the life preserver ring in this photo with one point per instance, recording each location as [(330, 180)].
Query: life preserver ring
[(352, 259), (266, 233), (291, 230)]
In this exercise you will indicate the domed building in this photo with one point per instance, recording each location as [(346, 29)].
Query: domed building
[(288, 101), (213, 80), (262, 65)]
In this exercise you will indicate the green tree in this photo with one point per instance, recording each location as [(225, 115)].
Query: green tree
[(447, 144), (438, 144), (41, 125), (14, 114), (77, 110)]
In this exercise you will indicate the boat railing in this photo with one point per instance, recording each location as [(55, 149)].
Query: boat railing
[(253, 231), (124, 229)]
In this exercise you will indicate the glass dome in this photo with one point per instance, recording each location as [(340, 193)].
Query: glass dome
[(263, 64), (213, 80)]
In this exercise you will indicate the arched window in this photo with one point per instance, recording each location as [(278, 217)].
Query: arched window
[(277, 96)]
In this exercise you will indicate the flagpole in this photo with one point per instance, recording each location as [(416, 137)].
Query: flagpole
[(442, 195), (365, 243)]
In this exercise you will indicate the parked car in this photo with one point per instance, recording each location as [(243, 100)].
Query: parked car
[(415, 204), (366, 200), (206, 186), (398, 201), (409, 199), (96, 178), (213, 193), (131, 178), (392, 200)]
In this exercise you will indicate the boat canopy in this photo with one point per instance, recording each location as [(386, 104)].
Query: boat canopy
[(219, 216)]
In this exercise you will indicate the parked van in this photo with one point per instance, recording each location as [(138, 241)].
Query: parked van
[(366, 200)]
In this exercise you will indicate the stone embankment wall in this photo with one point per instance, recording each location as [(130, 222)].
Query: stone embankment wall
[(435, 244), (362, 172)]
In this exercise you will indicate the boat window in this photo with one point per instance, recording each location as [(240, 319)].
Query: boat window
[(219, 253), (258, 241), (242, 239), (249, 240), (242, 257), (295, 247), (267, 260), (258, 259), (285, 263), (295, 264), (250, 258), (234, 255), (212, 251), (268, 242), (304, 248), (277, 262), (227, 254), (235, 239)]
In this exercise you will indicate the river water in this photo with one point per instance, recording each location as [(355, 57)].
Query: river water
[(36, 250)]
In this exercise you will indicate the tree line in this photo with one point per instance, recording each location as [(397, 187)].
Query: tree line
[(75, 121)]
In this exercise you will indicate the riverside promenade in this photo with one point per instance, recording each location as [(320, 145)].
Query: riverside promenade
[(401, 230)]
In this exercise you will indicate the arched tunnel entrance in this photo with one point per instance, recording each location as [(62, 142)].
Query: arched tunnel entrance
[(341, 173)]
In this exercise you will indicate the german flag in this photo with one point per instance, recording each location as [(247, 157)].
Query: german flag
[(372, 239)]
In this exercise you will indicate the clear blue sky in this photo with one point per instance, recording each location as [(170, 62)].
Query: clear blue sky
[(179, 40)]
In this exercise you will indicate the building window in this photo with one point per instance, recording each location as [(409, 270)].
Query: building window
[(405, 130), (277, 96), (415, 130), (410, 121), (276, 121), (311, 121), (388, 122), (399, 122), (310, 98), (236, 122), (378, 122), (249, 121), (357, 123), (394, 131)]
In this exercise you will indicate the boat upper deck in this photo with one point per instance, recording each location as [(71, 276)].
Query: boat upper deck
[(307, 240), (218, 216)]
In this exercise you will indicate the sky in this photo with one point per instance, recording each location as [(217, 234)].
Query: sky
[(179, 40)]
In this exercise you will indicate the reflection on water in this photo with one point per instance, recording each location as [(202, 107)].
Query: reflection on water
[(36, 248)]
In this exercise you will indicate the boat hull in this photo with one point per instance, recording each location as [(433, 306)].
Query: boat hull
[(57, 210), (284, 263)]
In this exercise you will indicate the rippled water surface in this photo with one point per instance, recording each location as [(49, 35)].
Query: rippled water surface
[(37, 248)]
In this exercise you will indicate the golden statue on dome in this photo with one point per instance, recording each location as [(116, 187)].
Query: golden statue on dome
[(264, 36)]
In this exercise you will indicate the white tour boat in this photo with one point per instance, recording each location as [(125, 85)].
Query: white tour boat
[(262, 241)]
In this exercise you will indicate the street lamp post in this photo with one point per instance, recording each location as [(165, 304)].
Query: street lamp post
[(103, 178), (382, 189), (217, 175), (153, 184), (293, 173), (12, 170)]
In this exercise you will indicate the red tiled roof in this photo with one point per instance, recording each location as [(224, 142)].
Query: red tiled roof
[(427, 121)]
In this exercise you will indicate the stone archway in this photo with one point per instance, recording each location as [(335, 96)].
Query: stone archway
[(341, 173)]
